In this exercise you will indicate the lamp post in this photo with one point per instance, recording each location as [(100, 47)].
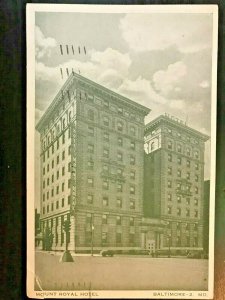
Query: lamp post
[(169, 245), (92, 231)]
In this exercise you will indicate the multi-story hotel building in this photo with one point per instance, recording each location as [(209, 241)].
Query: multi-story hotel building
[(174, 181), (92, 167)]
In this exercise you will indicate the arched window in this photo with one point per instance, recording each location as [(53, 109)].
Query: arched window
[(152, 146)]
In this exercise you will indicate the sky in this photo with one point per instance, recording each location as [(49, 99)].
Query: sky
[(160, 60)]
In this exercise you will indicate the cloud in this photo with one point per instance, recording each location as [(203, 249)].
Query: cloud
[(141, 91), (147, 32), (43, 45), (108, 68), (167, 80)]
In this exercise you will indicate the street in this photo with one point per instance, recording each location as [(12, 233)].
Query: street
[(119, 273)]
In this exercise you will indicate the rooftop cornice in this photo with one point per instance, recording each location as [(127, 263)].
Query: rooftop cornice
[(101, 89), (167, 120)]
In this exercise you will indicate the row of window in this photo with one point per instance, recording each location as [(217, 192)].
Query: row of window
[(179, 210), (105, 219), (52, 137), (182, 187), (47, 169), (57, 205), (47, 181), (178, 148), (120, 127), (187, 243), (184, 137), (186, 226), (179, 199), (46, 154), (180, 160), (179, 174)]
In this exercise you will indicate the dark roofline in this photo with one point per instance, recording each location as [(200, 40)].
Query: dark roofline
[(145, 110), (166, 119)]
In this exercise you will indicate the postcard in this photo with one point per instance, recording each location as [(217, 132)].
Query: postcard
[(121, 146)]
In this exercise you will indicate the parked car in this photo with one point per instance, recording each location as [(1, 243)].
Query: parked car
[(108, 252), (194, 254), (162, 253)]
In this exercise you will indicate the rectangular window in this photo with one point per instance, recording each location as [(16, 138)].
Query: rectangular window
[(132, 131), (132, 204), (52, 164), (90, 165), (119, 156), (57, 159), (169, 197), (105, 184), (169, 183), (104, 238), (106, 153), (57, 174), (196, 178), (132, 175), (104, 219), (196, 166), (52, 206), (188, 175), (90, 148), (63, 138), (48, 181), (106, 136), (187, 201), (119, 126), (57, 189), (131, 239), (131, 221), (132, 145), (196, 201), (52, 192), (69, 167), (119, 187), (69, 150), (120, 141), (90, 199), (57, 144), (196, 214), (179, 160), (179, 199), (63, 171), (196, 190), (62, 202), (178, 173), (132, 160), (170, 157), (43, 171), (187, 212), (118, 238), (118, 220), (188, 163), (118, 202), (132, 190), (169, 170), (63, 186), (90, 181), (119, 172), (69, 199), (106, 121), (57, 204), (178, 211), (105, 168), (169, 210), (63, 155), (105, 201)]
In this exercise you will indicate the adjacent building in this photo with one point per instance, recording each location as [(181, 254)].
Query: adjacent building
[(174, 181), (92, 168)]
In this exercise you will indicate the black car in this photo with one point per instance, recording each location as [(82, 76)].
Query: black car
[(105, 253)]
